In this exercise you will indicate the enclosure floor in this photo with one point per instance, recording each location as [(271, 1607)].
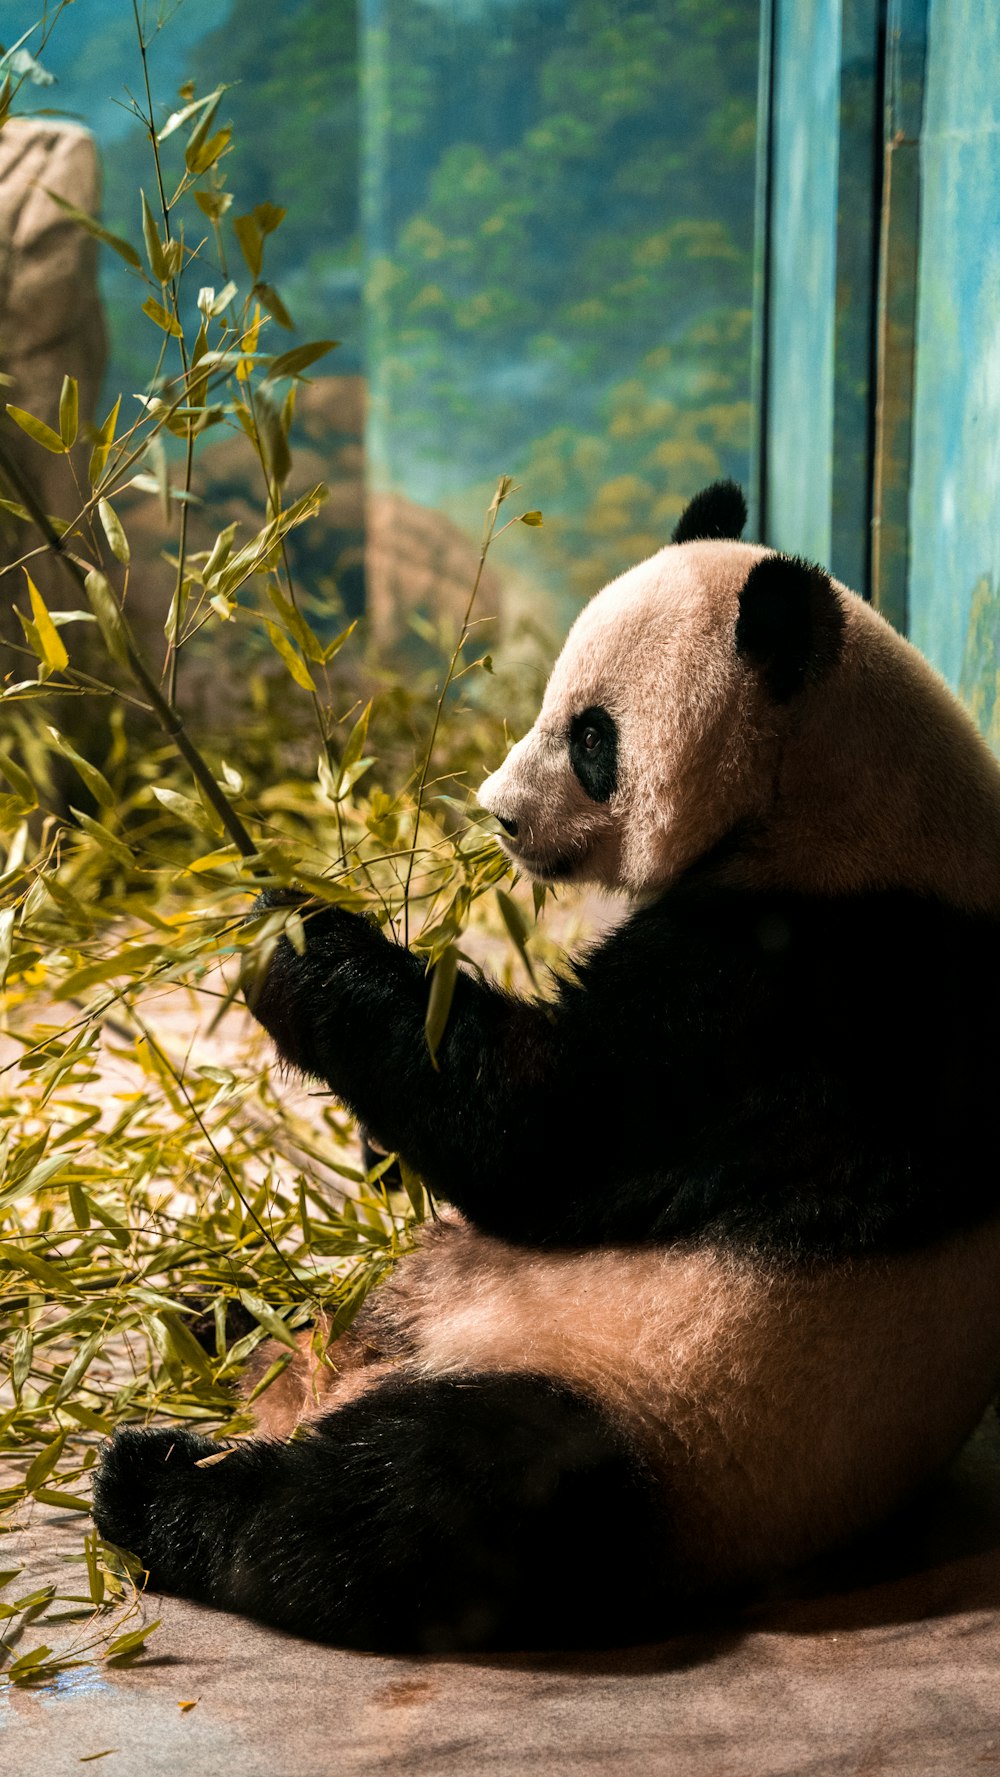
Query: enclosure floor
[(888, 1664)]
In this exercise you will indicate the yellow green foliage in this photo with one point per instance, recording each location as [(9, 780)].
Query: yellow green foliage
[(153, 1168)]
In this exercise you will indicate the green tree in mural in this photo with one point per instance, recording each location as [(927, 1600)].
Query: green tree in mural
[(567, 251), (292, 101)]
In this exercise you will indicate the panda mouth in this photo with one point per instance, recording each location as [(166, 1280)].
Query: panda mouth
[(544, 869)]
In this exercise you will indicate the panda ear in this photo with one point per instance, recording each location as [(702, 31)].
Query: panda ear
[(790, 623), (719, 512)]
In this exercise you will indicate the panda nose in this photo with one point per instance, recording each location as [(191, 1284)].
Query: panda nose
[(509, 827)]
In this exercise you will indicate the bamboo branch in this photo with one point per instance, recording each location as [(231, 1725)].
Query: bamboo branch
[(165, 712)]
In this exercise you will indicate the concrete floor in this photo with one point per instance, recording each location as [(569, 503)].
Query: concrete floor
[(885, 1664)]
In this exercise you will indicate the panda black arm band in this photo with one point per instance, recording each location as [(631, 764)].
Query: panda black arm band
[(708, 1072)]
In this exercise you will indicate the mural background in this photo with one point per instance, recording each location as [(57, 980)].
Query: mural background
[(530, 223)]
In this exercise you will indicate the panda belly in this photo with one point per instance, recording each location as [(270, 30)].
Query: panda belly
[(783, 1409)]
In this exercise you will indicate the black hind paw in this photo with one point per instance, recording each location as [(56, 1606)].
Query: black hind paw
[(138, 1474)]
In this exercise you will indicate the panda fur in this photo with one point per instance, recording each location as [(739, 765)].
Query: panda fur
[(719, 1286)]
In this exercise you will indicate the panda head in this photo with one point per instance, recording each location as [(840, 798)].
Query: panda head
[(721, 692)]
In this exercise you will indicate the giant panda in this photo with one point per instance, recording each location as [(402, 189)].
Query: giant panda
[(718, 1287)]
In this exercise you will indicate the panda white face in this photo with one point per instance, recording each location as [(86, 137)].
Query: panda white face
[(721, 691), (638, 761)]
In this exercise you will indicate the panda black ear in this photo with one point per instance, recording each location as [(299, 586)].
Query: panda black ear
[(719, 512), (790, 623)]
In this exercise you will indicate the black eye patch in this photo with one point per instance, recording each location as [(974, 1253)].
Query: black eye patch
[(593, 752)]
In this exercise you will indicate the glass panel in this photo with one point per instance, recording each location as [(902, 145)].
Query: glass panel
[(559, 211), (557, 224), (955, 507), (292, 100)]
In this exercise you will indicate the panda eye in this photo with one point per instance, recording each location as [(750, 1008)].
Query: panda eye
[(593, 751)]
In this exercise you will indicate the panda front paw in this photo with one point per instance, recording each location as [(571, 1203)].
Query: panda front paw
[(137, 1481), (328, 927), (307, 998)]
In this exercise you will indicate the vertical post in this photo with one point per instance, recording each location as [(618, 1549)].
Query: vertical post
[(761, 334), (859, 193), (906, 52)]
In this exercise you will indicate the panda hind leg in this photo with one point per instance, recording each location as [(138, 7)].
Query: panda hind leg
[(425, 1515)]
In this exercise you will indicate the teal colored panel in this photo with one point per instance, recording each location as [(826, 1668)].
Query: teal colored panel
[(955, 501), (805, 148)]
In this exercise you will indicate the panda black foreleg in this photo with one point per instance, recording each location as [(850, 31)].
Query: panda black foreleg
[(351, 1011), (482, 1511)]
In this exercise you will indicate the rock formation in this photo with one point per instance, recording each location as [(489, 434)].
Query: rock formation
[(50, 322)]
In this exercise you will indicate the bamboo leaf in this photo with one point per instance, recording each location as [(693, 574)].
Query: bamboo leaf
[(154, 246), (184, 1344), (65, 1502), (177, 119), (124, 249), (185, 806), (36, 429), (332, 648), (214, 204), (268, 217), (517, 931), (251, 241), (69, 411), (43, 1464), (102, 445), (95, 1573), (17, 1258), (109, 618), (268, 1319), (117, 540), (20, 1369), (199, 160), (443, 977), (274, 305), (95, 781), (200, 134), (129, 961), (6, 942), (356, 740), (53, 648), (213, 303), (293, 619), (78, 1366), (294, 662), (19, 781), (133, 1642), (270, 1375), (163, 318), (27, 1665), (109, 842), (79, 1204), (293, 363)]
